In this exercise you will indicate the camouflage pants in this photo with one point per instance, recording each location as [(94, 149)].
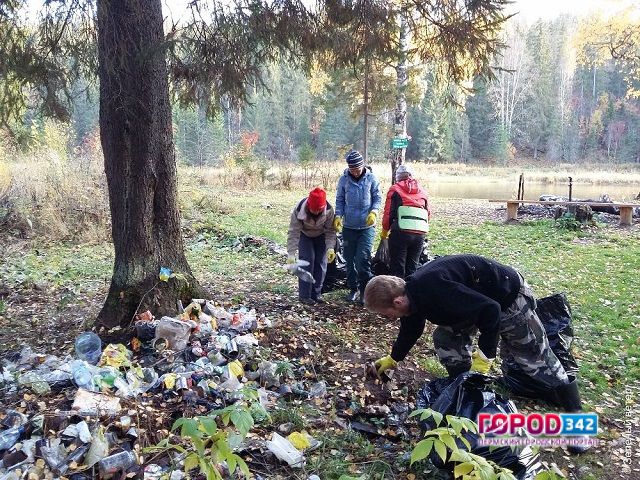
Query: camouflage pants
[(523, 340)]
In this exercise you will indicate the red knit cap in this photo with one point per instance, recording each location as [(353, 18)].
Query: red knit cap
[(317, 199)]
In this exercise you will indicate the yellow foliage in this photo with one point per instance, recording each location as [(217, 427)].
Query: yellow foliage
[(318, 80), (600, 40)]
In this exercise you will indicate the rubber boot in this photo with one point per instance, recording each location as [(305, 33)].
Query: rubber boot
[(352, 295), (568, 397)]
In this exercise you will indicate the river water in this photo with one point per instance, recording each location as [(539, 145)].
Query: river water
[(483, 189)]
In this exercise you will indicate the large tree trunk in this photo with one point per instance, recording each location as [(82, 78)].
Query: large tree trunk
[(139, 159)]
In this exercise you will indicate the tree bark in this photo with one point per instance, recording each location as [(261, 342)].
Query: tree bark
[(139, 159)]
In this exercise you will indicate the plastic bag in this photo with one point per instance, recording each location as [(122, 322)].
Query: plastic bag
[(298, 269), (466, 396), (285, 451), (380, 262), (555, 314)]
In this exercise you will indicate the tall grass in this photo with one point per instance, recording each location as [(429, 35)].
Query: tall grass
[(54, 194), (57, 194)]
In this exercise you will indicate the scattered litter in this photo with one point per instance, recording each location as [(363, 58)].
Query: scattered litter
[(95, 404), (285, 451)]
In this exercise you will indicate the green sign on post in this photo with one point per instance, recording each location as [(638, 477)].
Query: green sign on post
[(399, 142)]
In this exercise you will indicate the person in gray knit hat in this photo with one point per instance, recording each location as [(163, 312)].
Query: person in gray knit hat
[(358, 201), (405, 222)]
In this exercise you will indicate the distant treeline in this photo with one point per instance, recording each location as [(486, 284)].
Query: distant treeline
[(552, 99)]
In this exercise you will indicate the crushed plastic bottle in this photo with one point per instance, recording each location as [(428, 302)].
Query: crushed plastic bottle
[(83, 373), (99, 448), (118, 462), (318, 389), (14, 419), (142, 379), (10, 437), (88, 347)]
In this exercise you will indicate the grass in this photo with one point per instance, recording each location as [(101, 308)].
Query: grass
[(597, 268), (62, 265), (348, 453)]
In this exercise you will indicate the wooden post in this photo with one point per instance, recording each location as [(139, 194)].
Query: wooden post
[(512, 210), (626, 215)]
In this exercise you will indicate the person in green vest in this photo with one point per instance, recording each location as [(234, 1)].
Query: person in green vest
[(405, 222)]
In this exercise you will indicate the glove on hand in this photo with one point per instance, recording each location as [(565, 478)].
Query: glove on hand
[(480, 363), (331, 255), (384, 234), (385, 363), (371, 218), (291, 259), (337, 224)]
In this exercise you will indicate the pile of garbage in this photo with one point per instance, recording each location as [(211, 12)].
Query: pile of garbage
[(82, 417)]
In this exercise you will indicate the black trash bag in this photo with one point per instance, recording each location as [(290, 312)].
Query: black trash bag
[(466, 396), (555, 314), (382, 258), (336, 276)]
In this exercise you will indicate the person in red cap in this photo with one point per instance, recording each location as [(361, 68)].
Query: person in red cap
[(312, 234)]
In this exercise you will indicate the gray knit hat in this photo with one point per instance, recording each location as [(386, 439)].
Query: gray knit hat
[(354, 159), (403, 172)]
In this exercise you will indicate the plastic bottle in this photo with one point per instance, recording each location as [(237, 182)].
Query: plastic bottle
[(115, 463), (83, 375), (89, 347)]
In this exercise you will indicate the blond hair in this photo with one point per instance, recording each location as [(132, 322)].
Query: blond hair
[(381, 291)]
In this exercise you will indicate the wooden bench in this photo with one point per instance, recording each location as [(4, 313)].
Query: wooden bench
[(626, 209)]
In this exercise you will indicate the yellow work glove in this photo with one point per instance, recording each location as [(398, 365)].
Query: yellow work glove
[(337, 224), (371, 218), (291, 259), (385, 363), (384, 234), (480, 363), (331, 255)]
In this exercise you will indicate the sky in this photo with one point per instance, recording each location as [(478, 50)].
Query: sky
[(532, 10)]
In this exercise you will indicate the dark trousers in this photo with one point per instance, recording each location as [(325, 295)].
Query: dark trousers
[(404, 252), (313, 250), (357, 245), (523, 341)]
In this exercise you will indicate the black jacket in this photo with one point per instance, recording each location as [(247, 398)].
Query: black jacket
[(458, 291)]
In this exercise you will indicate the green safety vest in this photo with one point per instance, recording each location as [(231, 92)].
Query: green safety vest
[(413, 218)]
